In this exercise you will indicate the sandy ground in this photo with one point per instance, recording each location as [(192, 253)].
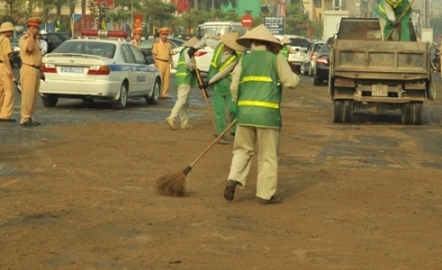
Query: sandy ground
[(359, 196)]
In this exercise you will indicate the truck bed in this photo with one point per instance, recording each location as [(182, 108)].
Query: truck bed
[(368, 59)]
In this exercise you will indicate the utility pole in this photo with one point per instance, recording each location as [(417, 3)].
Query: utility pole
[(131, 17)]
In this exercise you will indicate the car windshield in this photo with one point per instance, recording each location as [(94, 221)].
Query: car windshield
[(148, 43), (212, 31), (103, 49), (324, 49), (317, 47), (299, 42)]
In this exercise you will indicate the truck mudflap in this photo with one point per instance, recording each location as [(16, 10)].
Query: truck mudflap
[(431, 89)]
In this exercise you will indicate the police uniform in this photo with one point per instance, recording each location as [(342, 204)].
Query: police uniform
[(257, 92), (30, 73), (134, 41), (162, 52), (6, 87)]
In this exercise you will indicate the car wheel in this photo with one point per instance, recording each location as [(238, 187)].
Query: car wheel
[(49, 100), (120, 104), (155, 96)]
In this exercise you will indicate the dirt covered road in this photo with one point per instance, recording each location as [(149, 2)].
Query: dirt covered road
[(360, 196)]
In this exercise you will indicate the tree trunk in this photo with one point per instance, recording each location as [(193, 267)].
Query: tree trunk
[(83, 7)]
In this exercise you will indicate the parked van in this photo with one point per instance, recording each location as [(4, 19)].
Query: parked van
[(213, 29)]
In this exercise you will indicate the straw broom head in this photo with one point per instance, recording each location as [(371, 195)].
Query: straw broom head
[(172, 184)]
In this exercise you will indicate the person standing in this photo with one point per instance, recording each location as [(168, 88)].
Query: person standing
[(225, 57), (162, 55), (185, 78), (43, 36), (286, 48), (30, 72), (256, 89), (6, 73), (138, 32), (393, 13)]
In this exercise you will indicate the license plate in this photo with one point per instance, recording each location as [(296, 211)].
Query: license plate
[(379, 90), (71, 69)]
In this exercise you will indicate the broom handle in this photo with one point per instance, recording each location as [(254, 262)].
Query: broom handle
[(204, 92), (213, 143), (400, 18)]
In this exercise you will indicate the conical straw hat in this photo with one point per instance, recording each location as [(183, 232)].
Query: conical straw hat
[(258, 33), (191, 42), (285, 40), (229, 40)]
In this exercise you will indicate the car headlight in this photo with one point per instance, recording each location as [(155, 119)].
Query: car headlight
[(16, 49)]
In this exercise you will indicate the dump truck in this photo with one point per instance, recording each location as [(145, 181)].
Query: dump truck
[(367, 73)]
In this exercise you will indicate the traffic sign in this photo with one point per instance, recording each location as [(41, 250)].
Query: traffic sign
[(247, 20), (275, 25)]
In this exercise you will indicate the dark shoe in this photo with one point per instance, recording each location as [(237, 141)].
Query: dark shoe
[(272, 200), (224, 140), (229, 192), (7, 120), (29, 123)]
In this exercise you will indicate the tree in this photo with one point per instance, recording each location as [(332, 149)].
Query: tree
[(217, 4), (16, 9)]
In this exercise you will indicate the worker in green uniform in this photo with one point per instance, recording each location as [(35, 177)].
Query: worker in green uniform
[(225, 57), (393, 13), (286, 48), (256, 90), (185, 78)]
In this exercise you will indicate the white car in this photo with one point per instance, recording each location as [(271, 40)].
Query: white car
[(312, 52), (99, 69), (299, 44), (203, 57)]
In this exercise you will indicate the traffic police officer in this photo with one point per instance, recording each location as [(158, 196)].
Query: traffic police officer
[(6, 74), (137, 37), (30, 72), (162, 54)]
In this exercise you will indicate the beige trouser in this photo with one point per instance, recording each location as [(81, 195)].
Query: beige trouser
[(30, 83), (243, 150), (181, 107), (6, 93), (164, 68)]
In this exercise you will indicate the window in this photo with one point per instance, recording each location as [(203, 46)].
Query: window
[(127, 54), (139, 58)]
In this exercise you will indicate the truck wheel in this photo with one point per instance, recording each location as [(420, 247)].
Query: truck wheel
[(412, 113), (342, 111)]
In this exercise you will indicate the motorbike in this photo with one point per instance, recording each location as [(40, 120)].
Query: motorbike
[(435, 63)]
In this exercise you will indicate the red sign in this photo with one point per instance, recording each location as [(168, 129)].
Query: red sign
[(247, 20), (85, 22), (138, 20)]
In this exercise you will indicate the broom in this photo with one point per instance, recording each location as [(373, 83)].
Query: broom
[(174, 184), (200, 81)]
